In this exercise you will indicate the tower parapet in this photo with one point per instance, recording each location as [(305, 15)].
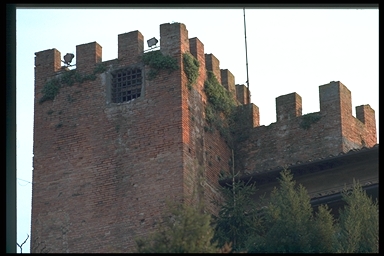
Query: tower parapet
[(355, 132), (288, 106), (213, 64), (87, 56), (130, 47), (228, 81), (296, 137), (174, 39), (366, 115), (335, 99), (196, 48), (47, 62), (242, 94)]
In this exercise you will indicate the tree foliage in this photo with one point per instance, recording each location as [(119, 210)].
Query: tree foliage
[(184, 229), (359, 222), (238, 218), (324, 231), (288, 219), (288, 224)]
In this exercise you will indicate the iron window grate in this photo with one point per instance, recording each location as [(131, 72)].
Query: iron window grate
[(126, 84)]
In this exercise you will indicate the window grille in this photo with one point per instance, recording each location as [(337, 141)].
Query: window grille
[(126, 84)]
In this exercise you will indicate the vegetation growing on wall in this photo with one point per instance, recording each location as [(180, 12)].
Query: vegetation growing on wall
[(50, 90), (219, 112), (191, 68), (241, 119), (157, 61), (68, 78), (309, 119), (221, 100)]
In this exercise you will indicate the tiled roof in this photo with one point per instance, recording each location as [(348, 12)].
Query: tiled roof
[(334, 196), (361, 164), (329, 157), (309, 166)]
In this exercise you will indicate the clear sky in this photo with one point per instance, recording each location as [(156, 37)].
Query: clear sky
[(289, 50)]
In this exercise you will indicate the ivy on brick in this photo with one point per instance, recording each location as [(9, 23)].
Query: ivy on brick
[(309, 119), (157, 61), (191, 68), (68, 78), (50, 90), (221, 100), (220, 108), (223, 112)]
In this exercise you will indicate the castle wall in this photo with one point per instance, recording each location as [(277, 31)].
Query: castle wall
[(228, 81), (242, 94), (206, 153), (105, 168), (297, 138), (103, 171), (218, 152)]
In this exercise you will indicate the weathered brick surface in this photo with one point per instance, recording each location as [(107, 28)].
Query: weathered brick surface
[(288, 106), (228, 81), (213, 64), (87, 56), (242, 94), (288, 142), (130, 47), (103, 171)]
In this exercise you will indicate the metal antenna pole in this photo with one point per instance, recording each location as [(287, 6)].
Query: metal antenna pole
[(246, 55)]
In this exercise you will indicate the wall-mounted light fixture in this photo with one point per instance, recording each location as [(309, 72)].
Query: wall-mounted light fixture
[(152, 42), (68, 58)]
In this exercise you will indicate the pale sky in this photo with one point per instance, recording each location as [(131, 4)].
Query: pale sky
[(289, 50)]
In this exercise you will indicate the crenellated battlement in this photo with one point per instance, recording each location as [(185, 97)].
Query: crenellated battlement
[(174, 42), (87, 56), (296, 137), (213, 64), (130, 47), (107, 132), (339, 130), (147, 131), (48, 61), (288, 106), (228, 81), (242, 94)]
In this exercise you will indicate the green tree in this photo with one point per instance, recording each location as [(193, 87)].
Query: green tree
[(359, 222), (238, 218), (184, 229), (288, 224), (324, 231), (288, 218), (292, 226)]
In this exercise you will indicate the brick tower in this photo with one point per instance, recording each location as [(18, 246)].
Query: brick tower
[(115, 140), (112, 146)]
